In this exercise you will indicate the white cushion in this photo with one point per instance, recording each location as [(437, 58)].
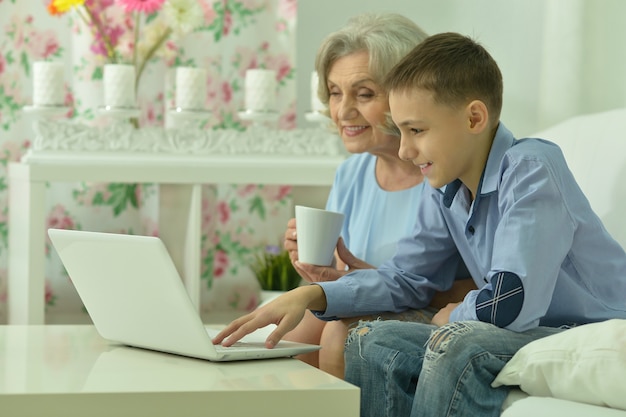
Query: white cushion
[(594, 146), (552, 407), (584, 364)]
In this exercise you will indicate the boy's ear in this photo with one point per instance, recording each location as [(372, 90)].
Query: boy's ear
[(478, 116)]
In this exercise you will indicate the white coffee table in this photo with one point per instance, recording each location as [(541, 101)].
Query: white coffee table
[(69, 370)]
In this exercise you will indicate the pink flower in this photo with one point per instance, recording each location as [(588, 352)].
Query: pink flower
[(220, 263), (208, 219), (99, 5), (69, 98), (281, 64), (49, 293), (103, 3), (227, 92), (224, 212), (287, 9), (10, 151), (281, 26), (42, 44), (275, 192), (283, 191), (91, 192), (145, 6), (228, 22), (246, 190), (59, 219), (209, 13), (288, 120), (245, 59)]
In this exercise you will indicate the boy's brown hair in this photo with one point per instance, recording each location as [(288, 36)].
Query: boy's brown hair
[(455, 68)]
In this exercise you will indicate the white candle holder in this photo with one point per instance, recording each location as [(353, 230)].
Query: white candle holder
[(119, 88), (119, 113), (48, 91), (260, 118), (183, 119), (48, 84), (316, 104), (260, 91), (190, 89), (316, 114), (317, 117), (47, 112)]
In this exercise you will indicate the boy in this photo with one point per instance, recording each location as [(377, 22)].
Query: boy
[(509, 208)]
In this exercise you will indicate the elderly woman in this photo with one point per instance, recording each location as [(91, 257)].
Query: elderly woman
[(376, 190)]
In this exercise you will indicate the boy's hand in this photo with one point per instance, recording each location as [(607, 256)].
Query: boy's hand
[(443, 316), (285, 312)]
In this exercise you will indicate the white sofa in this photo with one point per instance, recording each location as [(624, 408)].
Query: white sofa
[(582, 371)]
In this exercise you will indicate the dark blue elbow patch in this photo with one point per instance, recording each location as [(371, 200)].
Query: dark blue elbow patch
[(503, 303)]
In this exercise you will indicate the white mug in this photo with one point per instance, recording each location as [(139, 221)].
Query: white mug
[(317, 231)]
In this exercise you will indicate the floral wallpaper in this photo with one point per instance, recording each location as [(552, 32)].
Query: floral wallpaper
[(226, 38)]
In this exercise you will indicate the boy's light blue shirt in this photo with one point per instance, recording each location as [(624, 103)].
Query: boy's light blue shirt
[(536, 250), (376, 219)]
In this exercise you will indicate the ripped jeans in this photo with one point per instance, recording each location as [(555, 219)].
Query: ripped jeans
[(420, 370)]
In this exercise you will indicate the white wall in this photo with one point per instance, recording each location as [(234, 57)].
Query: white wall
[(559, 58)]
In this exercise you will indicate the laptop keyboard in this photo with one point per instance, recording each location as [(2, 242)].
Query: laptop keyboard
[(239, 345)]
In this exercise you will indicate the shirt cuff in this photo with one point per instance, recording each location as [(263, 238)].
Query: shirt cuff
[(337, 297), (466, 310)]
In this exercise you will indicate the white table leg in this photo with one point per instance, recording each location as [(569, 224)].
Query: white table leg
[(26, 283), (180, 207)]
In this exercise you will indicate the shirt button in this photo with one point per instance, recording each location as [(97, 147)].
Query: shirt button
[(471, 229)]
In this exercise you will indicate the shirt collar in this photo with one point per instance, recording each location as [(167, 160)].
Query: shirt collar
[(502, 142)]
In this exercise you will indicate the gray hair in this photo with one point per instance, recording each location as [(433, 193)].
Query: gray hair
[(387, 37)]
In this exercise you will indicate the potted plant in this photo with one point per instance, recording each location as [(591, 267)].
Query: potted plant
[(274, 271)]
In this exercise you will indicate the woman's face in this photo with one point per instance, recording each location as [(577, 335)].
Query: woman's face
[(358, 105)]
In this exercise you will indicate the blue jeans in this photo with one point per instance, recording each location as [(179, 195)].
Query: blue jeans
[(420, 370)]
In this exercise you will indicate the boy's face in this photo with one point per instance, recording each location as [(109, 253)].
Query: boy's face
[(435, 137)]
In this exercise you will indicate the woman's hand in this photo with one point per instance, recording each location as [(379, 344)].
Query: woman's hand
[(316, 273), (285, 312), (443, 316), (329, 273), (291, 241), (346, 261)]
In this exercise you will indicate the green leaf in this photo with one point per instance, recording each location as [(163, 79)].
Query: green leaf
[(275, 271), (257, 205), (97, 74), (25, 62), (121, 196)]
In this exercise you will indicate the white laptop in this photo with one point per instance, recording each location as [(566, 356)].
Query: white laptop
[(135, 296)]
